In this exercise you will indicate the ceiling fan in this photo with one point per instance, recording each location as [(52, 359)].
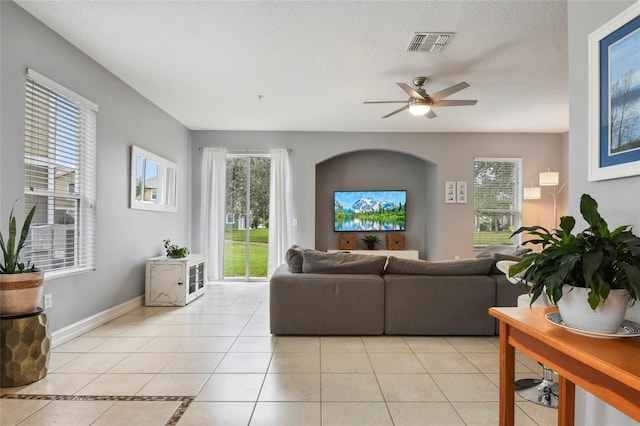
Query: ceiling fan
[(421, 103)]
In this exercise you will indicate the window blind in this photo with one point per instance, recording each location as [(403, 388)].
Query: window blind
[(497, 201), (59, 177)]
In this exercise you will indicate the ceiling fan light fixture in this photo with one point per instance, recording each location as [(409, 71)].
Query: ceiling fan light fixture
[(420, 103), (419, 109), (419, 106)]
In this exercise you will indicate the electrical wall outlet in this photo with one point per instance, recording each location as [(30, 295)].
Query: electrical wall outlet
[(48, 301)]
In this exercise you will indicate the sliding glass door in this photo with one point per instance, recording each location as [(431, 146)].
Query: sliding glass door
[(247, 217)]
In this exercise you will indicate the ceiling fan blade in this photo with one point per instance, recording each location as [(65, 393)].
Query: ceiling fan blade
[(385, 102), (445, 103), (410, 91), (430, 114), (448, 91), (397, 111)]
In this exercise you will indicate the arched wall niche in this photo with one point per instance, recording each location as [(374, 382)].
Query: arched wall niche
[(380, 170)]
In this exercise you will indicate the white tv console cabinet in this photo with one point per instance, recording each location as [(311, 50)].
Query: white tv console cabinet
[(174, 282), (404, 254)]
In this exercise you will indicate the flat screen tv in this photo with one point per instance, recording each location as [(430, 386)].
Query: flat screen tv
[(369, 210)]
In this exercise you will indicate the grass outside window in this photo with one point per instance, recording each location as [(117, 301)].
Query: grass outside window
[(484, 238), (235, 253)]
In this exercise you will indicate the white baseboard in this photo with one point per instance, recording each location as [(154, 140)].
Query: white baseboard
[(76, 329)]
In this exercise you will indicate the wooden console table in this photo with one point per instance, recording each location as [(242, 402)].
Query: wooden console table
[(607, 368)]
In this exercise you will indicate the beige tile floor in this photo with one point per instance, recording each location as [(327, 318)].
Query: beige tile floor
[(214, 362)]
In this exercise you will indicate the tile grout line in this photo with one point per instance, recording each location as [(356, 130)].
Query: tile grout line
[(434, 381), (264, 377), (185, 401), (375, 374)]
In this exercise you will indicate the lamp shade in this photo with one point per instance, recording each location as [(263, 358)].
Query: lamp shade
[(549, 178), (419, 106), (532, 193)]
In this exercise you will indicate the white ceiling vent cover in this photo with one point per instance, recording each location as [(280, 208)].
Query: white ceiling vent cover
[(429, 42)]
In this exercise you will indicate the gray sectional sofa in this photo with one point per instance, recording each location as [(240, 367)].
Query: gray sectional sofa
[(319, 293)]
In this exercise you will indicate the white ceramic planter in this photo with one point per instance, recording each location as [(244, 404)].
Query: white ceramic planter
[(577, 313)]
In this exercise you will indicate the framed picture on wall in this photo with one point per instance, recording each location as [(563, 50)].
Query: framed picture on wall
[(614, 97)]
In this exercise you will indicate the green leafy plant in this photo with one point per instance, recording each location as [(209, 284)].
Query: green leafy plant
[(10, 250), (174, 251), (371, 240), (596, 258)]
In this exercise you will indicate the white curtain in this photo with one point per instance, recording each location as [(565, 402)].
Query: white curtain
[(212, 213), (280, 215)]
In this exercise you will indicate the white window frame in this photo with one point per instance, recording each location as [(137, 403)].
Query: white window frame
[(48, 108), (515, 210), (243, 220), (164, 196)]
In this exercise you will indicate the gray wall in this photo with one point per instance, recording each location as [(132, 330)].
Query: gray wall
[(125, 237), (452, 153), (619, 199), (376, 170)]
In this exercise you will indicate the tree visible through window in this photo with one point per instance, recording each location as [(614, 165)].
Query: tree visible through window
[(497, 204), (247, 216)]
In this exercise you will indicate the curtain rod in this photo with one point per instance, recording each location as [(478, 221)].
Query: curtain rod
[(247, 150)]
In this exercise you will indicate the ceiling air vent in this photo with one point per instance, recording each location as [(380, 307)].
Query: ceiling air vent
[(429, 42)]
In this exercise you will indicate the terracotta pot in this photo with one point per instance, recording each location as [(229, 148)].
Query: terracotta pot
[(20, 293), (577, 313)]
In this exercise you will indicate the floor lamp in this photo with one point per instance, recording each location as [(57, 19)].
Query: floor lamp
[(543, 391), (550, 181)]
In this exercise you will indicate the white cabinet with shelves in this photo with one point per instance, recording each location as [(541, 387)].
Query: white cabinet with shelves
[(174, 282)]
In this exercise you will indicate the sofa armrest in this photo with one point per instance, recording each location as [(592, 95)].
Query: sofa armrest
[(326, 304)]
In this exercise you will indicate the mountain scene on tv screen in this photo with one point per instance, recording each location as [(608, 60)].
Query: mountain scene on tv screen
[(370, 213)]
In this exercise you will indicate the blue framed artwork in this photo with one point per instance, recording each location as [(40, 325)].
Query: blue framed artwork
[(614, 97)]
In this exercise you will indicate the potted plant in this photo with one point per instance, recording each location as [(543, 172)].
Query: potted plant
[(599, 267), (174, 251), (371, 241), (20, 284)]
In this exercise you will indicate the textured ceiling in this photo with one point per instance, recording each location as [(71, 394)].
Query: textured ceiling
[(309, 65)]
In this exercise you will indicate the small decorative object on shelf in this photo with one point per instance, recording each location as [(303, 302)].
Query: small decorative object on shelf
[(348, 241), (395, 242), (174, 251), (371, 241), (595, 264)]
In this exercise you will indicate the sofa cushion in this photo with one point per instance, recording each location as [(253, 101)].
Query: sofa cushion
[(341, 263), (439, 305), (293, 258), (503, 249), (497, 257), (477, 266)]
